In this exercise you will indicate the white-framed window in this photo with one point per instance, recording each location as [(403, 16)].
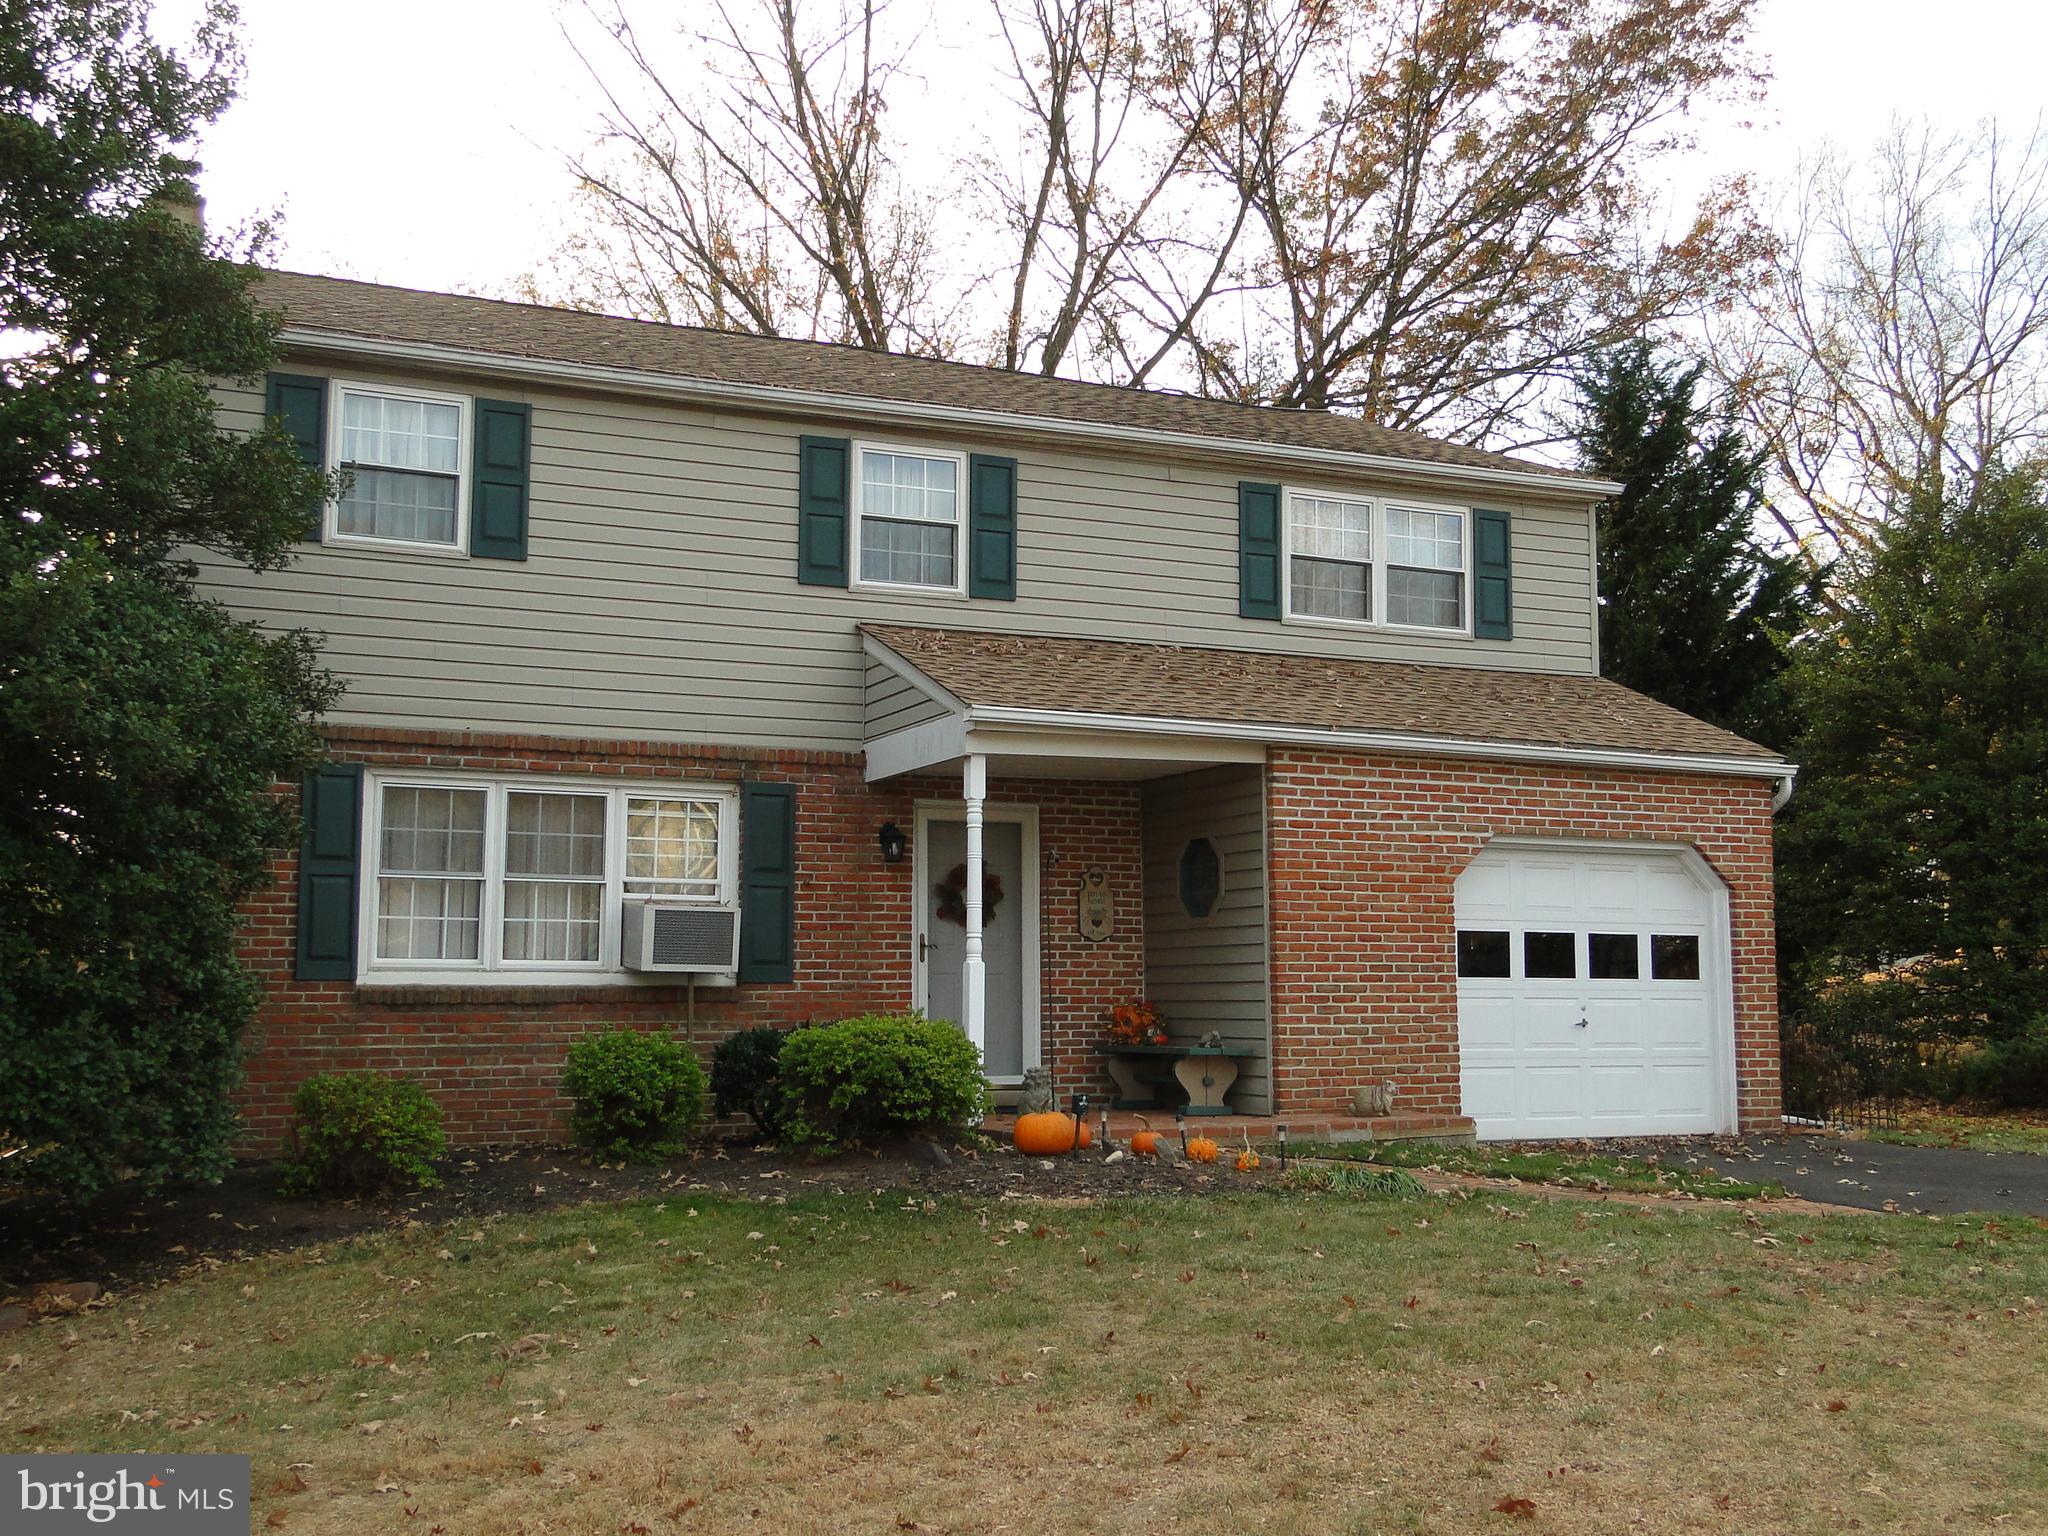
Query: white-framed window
[(517, 878), (909, 518), (407, 454), (1377, 562)]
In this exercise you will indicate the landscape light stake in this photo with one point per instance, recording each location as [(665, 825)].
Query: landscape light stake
[(1280, 1135), (1102, 1111), (1080, 1118), (1180, 1123)]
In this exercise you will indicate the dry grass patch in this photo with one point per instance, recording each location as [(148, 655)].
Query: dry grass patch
[(1934, 1126), (1305, 1364)]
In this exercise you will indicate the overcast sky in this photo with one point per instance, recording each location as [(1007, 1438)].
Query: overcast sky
[(420, 141)]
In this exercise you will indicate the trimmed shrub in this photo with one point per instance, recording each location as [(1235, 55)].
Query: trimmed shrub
[(2011, 1074), (633, 1095), (746, 1076), (358, 1133), (878, 1077)]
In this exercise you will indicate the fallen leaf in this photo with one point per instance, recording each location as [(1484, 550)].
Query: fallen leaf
[(1520, 1509)]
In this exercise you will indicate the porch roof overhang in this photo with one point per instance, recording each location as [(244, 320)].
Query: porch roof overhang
[(1039, 706)]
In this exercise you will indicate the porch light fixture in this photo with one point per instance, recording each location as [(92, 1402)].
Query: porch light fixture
[(894, 843)]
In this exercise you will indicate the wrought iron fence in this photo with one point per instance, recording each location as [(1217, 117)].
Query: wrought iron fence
[(1850, 1080)]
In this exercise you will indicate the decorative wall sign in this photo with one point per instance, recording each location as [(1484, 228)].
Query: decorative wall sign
[(1094, 908)]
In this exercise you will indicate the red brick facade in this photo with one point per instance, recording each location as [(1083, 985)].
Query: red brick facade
[(492, 1056), (1363, 854)]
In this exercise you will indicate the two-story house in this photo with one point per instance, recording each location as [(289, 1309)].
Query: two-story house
[(693, 678)]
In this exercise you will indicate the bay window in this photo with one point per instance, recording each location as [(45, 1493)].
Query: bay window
[(526, 876)]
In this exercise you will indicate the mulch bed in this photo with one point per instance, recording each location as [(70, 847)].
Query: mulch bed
[(126, 1239)]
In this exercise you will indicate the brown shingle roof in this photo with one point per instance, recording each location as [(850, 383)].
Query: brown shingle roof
[(573, 336), (1110, 677)]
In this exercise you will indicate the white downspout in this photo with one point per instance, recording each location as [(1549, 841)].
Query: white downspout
[(1781, 796), (973, 974)]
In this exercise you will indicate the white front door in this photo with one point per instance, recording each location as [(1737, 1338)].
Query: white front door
[(1009, 929), (1593, 994)]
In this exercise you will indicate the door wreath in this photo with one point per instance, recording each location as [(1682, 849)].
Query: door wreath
[(952, 894)]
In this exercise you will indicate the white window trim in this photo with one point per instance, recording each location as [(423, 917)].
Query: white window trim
[(1378, 506), (489, 968), (858, 517), (330, 531)]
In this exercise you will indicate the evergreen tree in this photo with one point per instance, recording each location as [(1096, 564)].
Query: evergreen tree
[(141, 727), (1695, 611), (1920, 832)]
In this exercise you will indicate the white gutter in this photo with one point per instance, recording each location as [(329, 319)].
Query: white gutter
[(716, 393), (1393, 741)]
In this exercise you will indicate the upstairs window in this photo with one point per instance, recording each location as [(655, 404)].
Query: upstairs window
[(405, 453), (1425, 568), (1354, 560), (907, 527), (1330, 574)]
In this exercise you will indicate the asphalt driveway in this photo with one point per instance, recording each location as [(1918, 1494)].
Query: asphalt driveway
[(1878, 1176)]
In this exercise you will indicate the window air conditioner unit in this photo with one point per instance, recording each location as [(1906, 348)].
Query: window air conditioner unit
[(690, 936)]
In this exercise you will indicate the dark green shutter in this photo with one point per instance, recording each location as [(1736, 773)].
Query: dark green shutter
[(500, 485), (992, 527), (1258, 550), (331, 809), (300, 402), (1493, 577), (824, 466), (767, 882)]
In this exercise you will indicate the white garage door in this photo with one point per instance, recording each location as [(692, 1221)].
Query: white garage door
[(1587, 995)]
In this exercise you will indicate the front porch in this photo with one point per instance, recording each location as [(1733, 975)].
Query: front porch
[(1285, 844)]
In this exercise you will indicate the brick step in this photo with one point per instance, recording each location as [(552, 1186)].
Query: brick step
[(1308, 1126)]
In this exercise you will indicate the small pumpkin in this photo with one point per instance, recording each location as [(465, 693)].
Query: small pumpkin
[(1247, 1160), (1048, 1134), (1202, 1149), (1145, 1143)]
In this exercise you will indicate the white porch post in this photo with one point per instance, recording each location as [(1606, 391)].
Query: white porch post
[(973, 975)]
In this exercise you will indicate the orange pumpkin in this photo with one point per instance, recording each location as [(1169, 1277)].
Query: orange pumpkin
[(1048, 1134), (1247, 1160), (1201, 1149), (1145, 1143)]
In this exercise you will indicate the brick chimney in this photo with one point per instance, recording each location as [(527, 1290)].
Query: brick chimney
[(180, 198)]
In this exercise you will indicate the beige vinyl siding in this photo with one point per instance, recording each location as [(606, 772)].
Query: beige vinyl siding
[(1210, 973), (659, 598), (892, 704)]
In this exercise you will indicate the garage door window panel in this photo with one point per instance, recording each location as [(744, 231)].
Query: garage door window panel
[(1550, 956), (1613, 956), (1674, 957), (1484, 953)]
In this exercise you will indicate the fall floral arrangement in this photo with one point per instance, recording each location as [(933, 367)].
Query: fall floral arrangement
[(1136, 1023)]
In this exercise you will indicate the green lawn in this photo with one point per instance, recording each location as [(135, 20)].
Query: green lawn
[(1581, 1170), (1238, 1363)]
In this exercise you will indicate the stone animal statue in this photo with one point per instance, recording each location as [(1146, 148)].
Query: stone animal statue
[(1374, 1099), (1212, 1041), (1037, 1096)]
